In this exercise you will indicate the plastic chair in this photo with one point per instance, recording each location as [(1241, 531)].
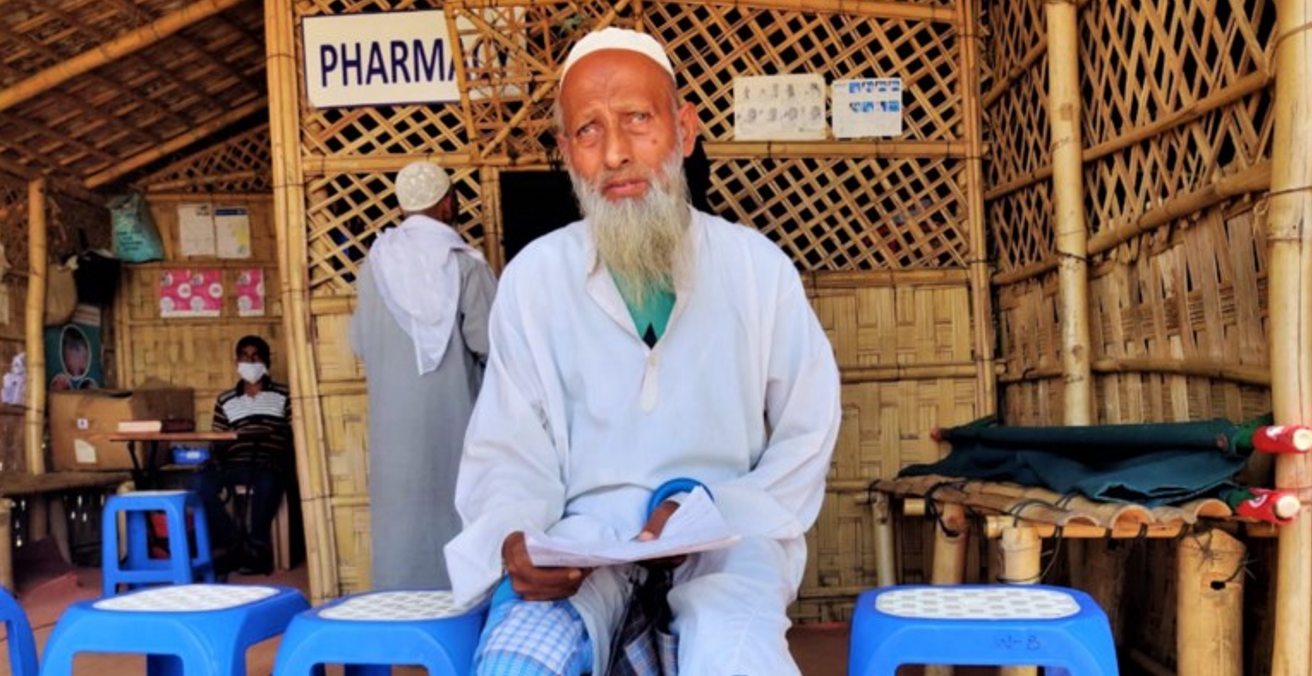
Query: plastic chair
[(370, 632), (137, 568), (986, 625), (195, 629), (22, 647)]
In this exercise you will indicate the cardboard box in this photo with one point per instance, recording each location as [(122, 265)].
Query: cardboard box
[(81, 423)]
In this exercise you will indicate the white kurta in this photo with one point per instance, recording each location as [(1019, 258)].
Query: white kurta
[(579, 421)]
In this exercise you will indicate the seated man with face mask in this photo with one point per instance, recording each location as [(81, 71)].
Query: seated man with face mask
[(259, 410)]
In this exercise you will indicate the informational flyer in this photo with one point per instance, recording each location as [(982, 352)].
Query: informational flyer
[(185, 292), (779, 108), (232, 229), (868, 107), (196, 229), (250, 292)]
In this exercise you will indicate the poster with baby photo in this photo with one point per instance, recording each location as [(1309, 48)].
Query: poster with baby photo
[(250, 292), (185, 292)]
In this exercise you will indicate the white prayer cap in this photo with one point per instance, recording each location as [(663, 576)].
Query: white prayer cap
[(421, 185), (617, 38)]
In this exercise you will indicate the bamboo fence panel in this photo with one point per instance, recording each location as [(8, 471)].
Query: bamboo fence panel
[(348, 211), (131, 105), (240, 164)]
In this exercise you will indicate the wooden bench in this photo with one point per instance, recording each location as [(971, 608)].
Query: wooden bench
[(16, 485)]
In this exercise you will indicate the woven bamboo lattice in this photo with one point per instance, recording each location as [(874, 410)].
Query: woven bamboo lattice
[(206, 74), (13, 222), (832, 214), (240, 164), (1029, 340), (1017, 126), (348, 210), (714, 42), (1142, 63)]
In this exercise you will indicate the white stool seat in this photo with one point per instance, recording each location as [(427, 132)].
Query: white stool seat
[(395, 606), (996, 603), (187, 598)]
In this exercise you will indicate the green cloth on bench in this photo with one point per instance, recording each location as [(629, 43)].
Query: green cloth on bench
[(1150, 464)]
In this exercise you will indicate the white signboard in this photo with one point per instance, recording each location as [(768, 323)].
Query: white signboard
[(385, 58), (779, 108), (868, 107)]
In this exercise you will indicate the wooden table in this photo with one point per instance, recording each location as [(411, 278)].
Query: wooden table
[(145, 470)]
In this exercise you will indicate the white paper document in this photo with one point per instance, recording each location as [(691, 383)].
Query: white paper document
[(695, 527)]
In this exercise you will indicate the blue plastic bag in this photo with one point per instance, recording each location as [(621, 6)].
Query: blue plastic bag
[(136, 240)]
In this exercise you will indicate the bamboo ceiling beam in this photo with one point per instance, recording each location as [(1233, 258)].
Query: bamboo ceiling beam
[(123, 45), (176, 143), (1289, 228)]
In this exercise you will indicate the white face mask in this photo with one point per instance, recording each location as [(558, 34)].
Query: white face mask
[(251, 371)]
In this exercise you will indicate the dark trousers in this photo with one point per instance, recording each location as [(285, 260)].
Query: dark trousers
[(265, 486)]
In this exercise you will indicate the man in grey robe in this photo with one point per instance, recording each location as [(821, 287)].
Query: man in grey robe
[(420, 326)]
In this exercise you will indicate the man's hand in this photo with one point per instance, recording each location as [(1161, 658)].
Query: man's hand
[(655, 526), (533, 583)]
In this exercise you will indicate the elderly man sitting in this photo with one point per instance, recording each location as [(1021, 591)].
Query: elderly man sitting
[(647, 342)]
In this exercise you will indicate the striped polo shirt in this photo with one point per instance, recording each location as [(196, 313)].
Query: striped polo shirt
[(264, 423)]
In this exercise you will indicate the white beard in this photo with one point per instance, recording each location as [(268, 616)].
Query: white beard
[(642, 240)]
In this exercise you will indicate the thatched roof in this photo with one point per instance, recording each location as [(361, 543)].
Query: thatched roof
[(96, 91)]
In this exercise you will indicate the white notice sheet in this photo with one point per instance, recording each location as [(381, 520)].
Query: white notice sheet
[(695, 527)]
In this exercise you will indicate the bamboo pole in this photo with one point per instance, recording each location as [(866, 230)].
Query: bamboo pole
[(489, 178), (290, 228), (868, 8), (1068, 200), (7, 544), (1210, 604), (881, 515), (981, 297), (38, 263), (177, 143), (1021, 551), (951, 544), (117, 48), (1099, 570), (1289, 228)]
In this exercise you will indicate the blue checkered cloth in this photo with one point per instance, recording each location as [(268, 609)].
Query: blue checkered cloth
[(532, 638)]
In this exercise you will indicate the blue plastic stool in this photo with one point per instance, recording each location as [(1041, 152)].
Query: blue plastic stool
[(985, 625), (22, 647), (195, 629), (370, 632), (138, 568)]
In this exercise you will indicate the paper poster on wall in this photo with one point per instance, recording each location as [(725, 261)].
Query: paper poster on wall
[(196, 229), (232, 229), (779, 108), (250, 292), (868, 107), (185, 292)]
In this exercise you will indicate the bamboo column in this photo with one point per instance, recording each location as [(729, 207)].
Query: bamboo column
[(951, 544), (881, 514), (1068, 199), (1210, 606), (981, 298), (1021, 551), (1289, 228), (37, 263), (289, 226)]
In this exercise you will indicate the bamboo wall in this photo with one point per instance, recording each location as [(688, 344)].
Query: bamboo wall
[(888, 235), (72, 225), (1176, 127)]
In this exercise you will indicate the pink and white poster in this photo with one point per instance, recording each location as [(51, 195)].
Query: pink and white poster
[(250, 292), (185, 292)]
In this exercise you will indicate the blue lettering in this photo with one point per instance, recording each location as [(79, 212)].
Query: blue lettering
[(400, 52), (349, 64), (425, 67), (327, 63), (376, 64)]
